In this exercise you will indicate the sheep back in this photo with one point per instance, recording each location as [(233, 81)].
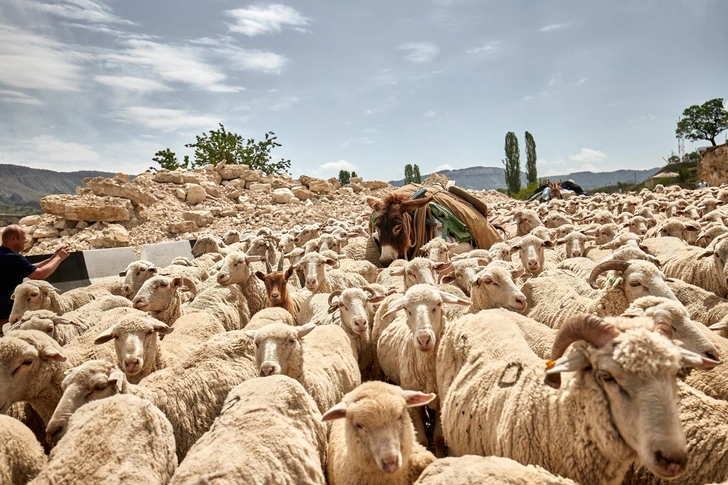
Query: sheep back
[(21, 456)]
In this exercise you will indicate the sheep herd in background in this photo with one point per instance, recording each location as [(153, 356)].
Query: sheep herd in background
[(584, 348)]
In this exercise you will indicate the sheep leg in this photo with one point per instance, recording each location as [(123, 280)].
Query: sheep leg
[(438, 437), (419, 423)]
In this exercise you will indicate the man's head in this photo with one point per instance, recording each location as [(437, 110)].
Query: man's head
[(14, 238)]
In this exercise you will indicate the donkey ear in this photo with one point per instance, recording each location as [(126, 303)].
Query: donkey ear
[(415, 204), (374, 203)]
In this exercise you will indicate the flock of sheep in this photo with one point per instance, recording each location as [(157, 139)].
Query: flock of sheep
[(582, 349)]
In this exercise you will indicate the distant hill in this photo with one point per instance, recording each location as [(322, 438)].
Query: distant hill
[(25, 186), (492, 178)]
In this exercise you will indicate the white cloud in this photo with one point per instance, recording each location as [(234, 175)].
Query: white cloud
[(430, 113), (17, 97), (555, 79), (32, 61), (334, 167), (446, 166), (251, 60), (587, 167), (485, 50), (542, 94), (165, 119), (552, 27), (581, 81), (88, 10), (254, 21), (54, 150), (587, 155), (132, 83), (420, 52)]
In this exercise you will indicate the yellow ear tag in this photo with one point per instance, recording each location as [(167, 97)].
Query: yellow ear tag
[(550, 364)]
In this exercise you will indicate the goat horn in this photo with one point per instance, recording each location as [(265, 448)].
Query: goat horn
[(587, 327), (268, 268), (280, 264), (369, 289), (612, 264), (190, 284), (334, 294)]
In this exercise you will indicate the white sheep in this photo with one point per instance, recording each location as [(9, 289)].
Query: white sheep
[(41, 295), (493, 287), (462, 273), (438, 250), (406, 347), (618, 407), (21, 456), (493, 470), (270, 315), (269, 431), (530, 250), (319, 280), (237, 270), (120, 440), (372, 440), (323, 363)]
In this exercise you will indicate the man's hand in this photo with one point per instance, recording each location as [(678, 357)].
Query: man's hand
[(62, 252)]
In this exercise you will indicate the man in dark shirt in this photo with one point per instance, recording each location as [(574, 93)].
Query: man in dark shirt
[(14, 267)]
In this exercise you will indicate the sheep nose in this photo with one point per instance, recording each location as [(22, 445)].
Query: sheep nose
[(424, 341), (521, 302), (576, 254), (54, 432), (532, 264), (125, 290), (673, 466), (267, 369), (131, 364), (360, 324), (139, 303), (390, 464)]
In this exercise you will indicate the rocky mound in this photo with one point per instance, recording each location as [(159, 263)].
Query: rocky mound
[(168, 206)]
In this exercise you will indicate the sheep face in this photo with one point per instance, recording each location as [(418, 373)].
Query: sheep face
[(313, 267), (438, 250), (42, 320), (260, 246), (555, 220), (526, 221), (22, 354), (90, 381), (530, 250), (423, 304), (497, 283), (500, 251), (542, 232), (463, 273), (205, 244), (29, 296), (606, 233), (156, 293), (231, 237), (328, 242), (235, 269), (575, 244), (719, 252), (306, 234), (286, 244), (135, 275), (135, 341), (278, 348), (378, 427), (352, 306), (420, 271), (642, 278), (637, 225)]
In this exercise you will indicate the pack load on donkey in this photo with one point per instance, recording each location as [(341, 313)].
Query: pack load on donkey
[(555, 190), (409, 217)]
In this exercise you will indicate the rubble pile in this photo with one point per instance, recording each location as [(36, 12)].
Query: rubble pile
[(182, 204)]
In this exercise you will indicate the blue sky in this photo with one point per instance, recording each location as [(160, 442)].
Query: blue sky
[(365, 86)]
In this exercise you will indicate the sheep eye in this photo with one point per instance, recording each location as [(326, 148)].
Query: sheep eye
[(359, 426), (163, 285), (149, 332), (634, 283)]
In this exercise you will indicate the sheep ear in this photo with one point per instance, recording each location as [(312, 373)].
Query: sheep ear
[(57, 320), (289, 272), (250, 259), (374, 203), (376, 299), (260, 276), (560, 241), (104, 336), (442, 266), (691, 359), (705, 254), (163, 328), (416, 398), (123, 273), (330, 262), (304, 330), (251, 334), (453, 299), (515, 248), (398, 271), (549, 243), (447, 278), (395, 307), (51, 353), (118, 377), (517, 273), (575, 361), (336, 412)]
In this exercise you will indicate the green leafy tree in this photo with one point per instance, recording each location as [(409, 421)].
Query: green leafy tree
[(344, 177), (531, 170), (168, 159), (703, 122), (354, 175), (408, 174), (512, 164), (416, 177), (693, 156), (673, 159), (218, 145)]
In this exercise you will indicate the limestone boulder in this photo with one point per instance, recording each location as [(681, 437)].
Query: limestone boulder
[(167, 177), (305, 180), (43, 232), (189, 177), (201, 218), (230, 172), (195, 194), (180, 194), (88, 208), (252, 176), (375, 184), (335, 183), (212, 189), (181, 227), (29, 221), (113, 236), (258, 187), (122, 178), (319, 186), (302, 193), (356, 180), (104, 187), (282, 196)]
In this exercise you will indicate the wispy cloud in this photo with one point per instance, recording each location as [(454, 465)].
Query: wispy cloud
[(7, 96), (132, 83), (555, 79), (334, 167), (254, 21), (588, 155), (484, 51), (52, 149), (542, 94), (553, 27), (87, 10), (430, 113), (32, 61), (446, 166), (165, 119), (420, 52), (581, 81)]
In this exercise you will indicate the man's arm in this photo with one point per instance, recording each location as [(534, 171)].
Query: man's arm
[(43, 263), (47, 267)]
